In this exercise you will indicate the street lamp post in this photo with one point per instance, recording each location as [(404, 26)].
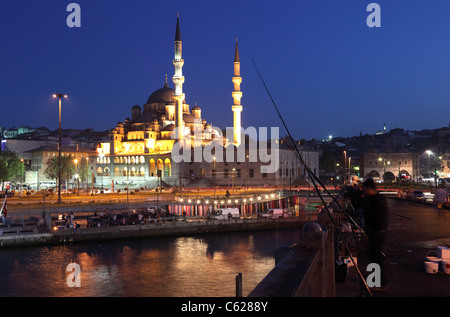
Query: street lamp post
[(384, 167), (22, 178), (77, 176), (59, 96), (345, 167), (429, 152), (214, 175), (128, 171), (87, 175), (247, 172), (232, 180), (349, 168)]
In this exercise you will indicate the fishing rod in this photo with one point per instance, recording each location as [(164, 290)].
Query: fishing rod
[(355, 223), (314, 183)]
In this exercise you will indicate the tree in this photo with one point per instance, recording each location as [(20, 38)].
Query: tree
[(83, 170), (11, 168), (67, 168)]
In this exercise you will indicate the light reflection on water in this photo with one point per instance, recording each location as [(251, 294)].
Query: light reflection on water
[(202, 265)]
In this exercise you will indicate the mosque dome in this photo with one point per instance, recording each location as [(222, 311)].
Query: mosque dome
[(163, 95)]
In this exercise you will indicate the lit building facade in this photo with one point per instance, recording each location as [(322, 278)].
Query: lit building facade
[(390, 166), (140, 150)]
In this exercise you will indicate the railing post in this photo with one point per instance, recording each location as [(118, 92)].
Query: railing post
[(239, 285)]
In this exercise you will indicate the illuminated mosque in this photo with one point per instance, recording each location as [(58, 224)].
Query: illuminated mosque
[(139, 150)]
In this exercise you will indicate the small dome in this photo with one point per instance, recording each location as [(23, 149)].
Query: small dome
[(196, 108), (188, 118)]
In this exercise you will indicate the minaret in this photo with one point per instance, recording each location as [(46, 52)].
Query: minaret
[(237, 95), (178, 80)]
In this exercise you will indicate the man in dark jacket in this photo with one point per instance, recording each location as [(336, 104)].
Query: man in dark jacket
[(376, 220)]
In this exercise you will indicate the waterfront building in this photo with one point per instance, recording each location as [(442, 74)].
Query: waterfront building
[(140, 149), (390, 165), (36, 178)]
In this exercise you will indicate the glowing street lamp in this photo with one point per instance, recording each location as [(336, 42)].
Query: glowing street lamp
[(59, 96)]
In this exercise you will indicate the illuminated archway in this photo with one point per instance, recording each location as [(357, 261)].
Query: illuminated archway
[(404, 175), (374, 174), (167, 168), (152, 168), (388, 177), (160, 167)]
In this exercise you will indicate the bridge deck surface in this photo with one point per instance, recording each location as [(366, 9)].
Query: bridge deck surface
[(408, 242)]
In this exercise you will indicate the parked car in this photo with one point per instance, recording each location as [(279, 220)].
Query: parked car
[(60, 224), (418, 195), (159, 213), (225, 213), (96, 222), (133, 219), (273, 213)]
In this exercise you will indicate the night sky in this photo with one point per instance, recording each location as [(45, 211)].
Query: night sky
[(328, 72)]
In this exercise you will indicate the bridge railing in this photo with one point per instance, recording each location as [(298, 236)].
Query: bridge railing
[(306, 269)]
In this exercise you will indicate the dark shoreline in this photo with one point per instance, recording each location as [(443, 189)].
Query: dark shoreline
[(147, 231)]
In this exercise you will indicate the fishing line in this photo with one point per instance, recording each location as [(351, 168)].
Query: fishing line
[(314, 183)]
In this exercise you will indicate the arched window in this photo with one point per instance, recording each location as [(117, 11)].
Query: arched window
[(152, 168), (167, 168), (142, 159), (133, 171), (116, 171), (160, 167), (99, 171), (142, 171)]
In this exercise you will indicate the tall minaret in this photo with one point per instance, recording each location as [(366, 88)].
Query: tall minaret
[(178, 80), (237, 95)]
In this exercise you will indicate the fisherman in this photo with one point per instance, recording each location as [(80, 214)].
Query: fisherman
[(376, 220)]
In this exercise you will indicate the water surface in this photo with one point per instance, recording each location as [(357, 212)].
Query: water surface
[(196, 266)]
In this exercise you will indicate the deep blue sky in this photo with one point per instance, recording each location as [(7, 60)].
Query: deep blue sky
[(328, 72)]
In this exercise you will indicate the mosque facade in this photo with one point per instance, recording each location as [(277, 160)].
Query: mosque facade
[(139, 152)]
